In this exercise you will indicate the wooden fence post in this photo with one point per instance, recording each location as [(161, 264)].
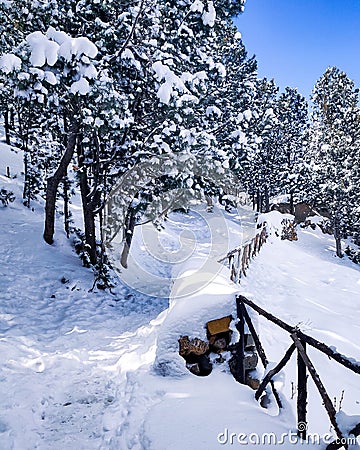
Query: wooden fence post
[(304, 365), (256, 245), (322, 391), (301, 395), (240, 352), (231, 267), (260, 243), (238, 270), (259, 348), (249, 254), (342, 359), (243, 262)]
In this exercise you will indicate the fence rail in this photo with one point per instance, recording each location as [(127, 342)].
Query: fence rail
[(238, 260), (304, 366)]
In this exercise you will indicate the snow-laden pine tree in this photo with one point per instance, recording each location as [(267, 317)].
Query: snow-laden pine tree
[(334, 149), (18, 19), (292, 112), (260, 168), (230, 100)]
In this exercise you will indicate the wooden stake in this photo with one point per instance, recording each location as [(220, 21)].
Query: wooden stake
[(240, 352), (301, 394), (243, 262), (259, 347), (315, 376), (238, 271), (248, 254)]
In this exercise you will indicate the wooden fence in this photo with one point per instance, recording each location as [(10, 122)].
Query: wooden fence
[(238, 260), (299, 343)]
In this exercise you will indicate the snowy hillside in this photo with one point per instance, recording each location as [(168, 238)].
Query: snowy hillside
[(80, 369)]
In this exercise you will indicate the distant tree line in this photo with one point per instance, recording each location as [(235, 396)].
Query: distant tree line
[(89, 89)]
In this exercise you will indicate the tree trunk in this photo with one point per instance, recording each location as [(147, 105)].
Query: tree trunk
[(88, 216), (267, 199), (338, 246), (209, 202), (67, 214), (258, 201), (27, 187), (7, 126), (292, 208), (337, 236), (53, 183), (129, 233)]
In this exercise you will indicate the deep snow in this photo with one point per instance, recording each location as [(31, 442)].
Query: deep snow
[(81, 370)]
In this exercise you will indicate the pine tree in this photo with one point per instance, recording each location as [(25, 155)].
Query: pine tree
[(260, 169), (293, 125), (335, 125)]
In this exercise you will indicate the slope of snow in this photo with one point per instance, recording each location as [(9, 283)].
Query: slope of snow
[(60, 344)]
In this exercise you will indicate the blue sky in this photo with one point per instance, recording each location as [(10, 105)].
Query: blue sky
[(296, 40)]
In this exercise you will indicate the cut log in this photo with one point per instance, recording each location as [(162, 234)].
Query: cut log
[(192, 346), (218, 325)]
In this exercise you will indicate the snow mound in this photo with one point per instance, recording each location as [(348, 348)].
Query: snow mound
[(193, 303)]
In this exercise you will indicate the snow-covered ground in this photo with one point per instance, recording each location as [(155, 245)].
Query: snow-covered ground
[(95, 370)]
